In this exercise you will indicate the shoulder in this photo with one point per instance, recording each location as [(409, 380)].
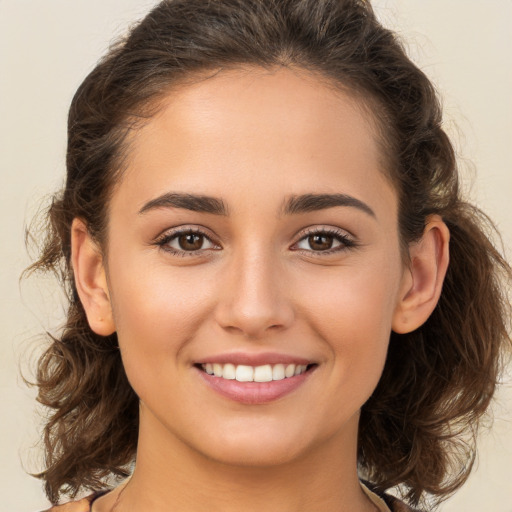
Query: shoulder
[(83, 505), (395, 505), (73, 506)]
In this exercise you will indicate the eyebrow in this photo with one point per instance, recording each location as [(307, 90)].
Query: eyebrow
[(193, 202), (294, 205), (313, 202)]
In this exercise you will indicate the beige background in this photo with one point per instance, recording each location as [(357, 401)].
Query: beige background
[(46, 49)]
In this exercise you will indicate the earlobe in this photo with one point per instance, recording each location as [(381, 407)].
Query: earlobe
[(90, 279), (423, 283)]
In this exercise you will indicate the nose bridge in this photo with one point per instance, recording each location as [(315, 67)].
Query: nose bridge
[(254, 299)]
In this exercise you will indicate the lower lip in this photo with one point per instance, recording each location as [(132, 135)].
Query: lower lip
[(254, 392)]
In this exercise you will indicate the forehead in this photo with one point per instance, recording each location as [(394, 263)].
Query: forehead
[(251, 127)]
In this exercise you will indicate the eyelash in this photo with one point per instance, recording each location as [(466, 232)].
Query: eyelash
[(164, 240), (345, 241)]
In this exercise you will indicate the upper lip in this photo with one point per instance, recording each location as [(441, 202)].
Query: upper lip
[(249, 359)]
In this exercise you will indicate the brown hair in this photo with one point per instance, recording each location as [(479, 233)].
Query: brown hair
[(419, 426)]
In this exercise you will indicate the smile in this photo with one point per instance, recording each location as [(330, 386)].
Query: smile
[(245, 373), (259, 383)]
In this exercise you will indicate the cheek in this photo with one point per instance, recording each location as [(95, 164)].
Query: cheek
[(356, 298), (156, 310), (351, 309)]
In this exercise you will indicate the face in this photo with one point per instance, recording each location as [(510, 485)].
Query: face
[(254, 266)]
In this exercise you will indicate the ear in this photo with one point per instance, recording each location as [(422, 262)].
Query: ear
[(90, 279), (423, 280)]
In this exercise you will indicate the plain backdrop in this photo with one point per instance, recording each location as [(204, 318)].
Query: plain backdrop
[(48, 47)]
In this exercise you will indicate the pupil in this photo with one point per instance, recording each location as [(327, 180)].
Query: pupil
[(320, 242), (191, 242)]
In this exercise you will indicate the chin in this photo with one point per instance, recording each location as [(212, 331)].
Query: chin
[(253, 455), (240, 441), (263, 446)]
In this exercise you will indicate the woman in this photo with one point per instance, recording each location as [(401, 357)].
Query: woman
[(267, 259)]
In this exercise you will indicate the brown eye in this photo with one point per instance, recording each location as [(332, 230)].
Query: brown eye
[(320, 242), (191, 241), (184, 242), (325, 242)]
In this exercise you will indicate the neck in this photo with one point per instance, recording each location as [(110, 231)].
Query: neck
[(170, 473)]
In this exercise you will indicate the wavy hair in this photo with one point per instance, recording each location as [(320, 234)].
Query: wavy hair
[(418, 428)]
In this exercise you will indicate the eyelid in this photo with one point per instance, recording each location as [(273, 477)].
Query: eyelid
[(172, 233), (346, 239)]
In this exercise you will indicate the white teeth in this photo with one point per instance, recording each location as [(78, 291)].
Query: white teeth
[(244, 373), (300, 368), (263, 373), (229, 372), (217, 370), (278, 372), (289, 371)]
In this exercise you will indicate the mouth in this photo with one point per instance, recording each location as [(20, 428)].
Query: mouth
[(262, 373), (253, 385)]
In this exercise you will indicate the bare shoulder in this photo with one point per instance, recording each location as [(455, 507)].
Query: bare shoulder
[(83, 505)]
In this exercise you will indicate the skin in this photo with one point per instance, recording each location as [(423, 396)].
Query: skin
[(253, 139)]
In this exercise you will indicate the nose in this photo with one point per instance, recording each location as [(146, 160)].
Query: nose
[(253, 299)]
